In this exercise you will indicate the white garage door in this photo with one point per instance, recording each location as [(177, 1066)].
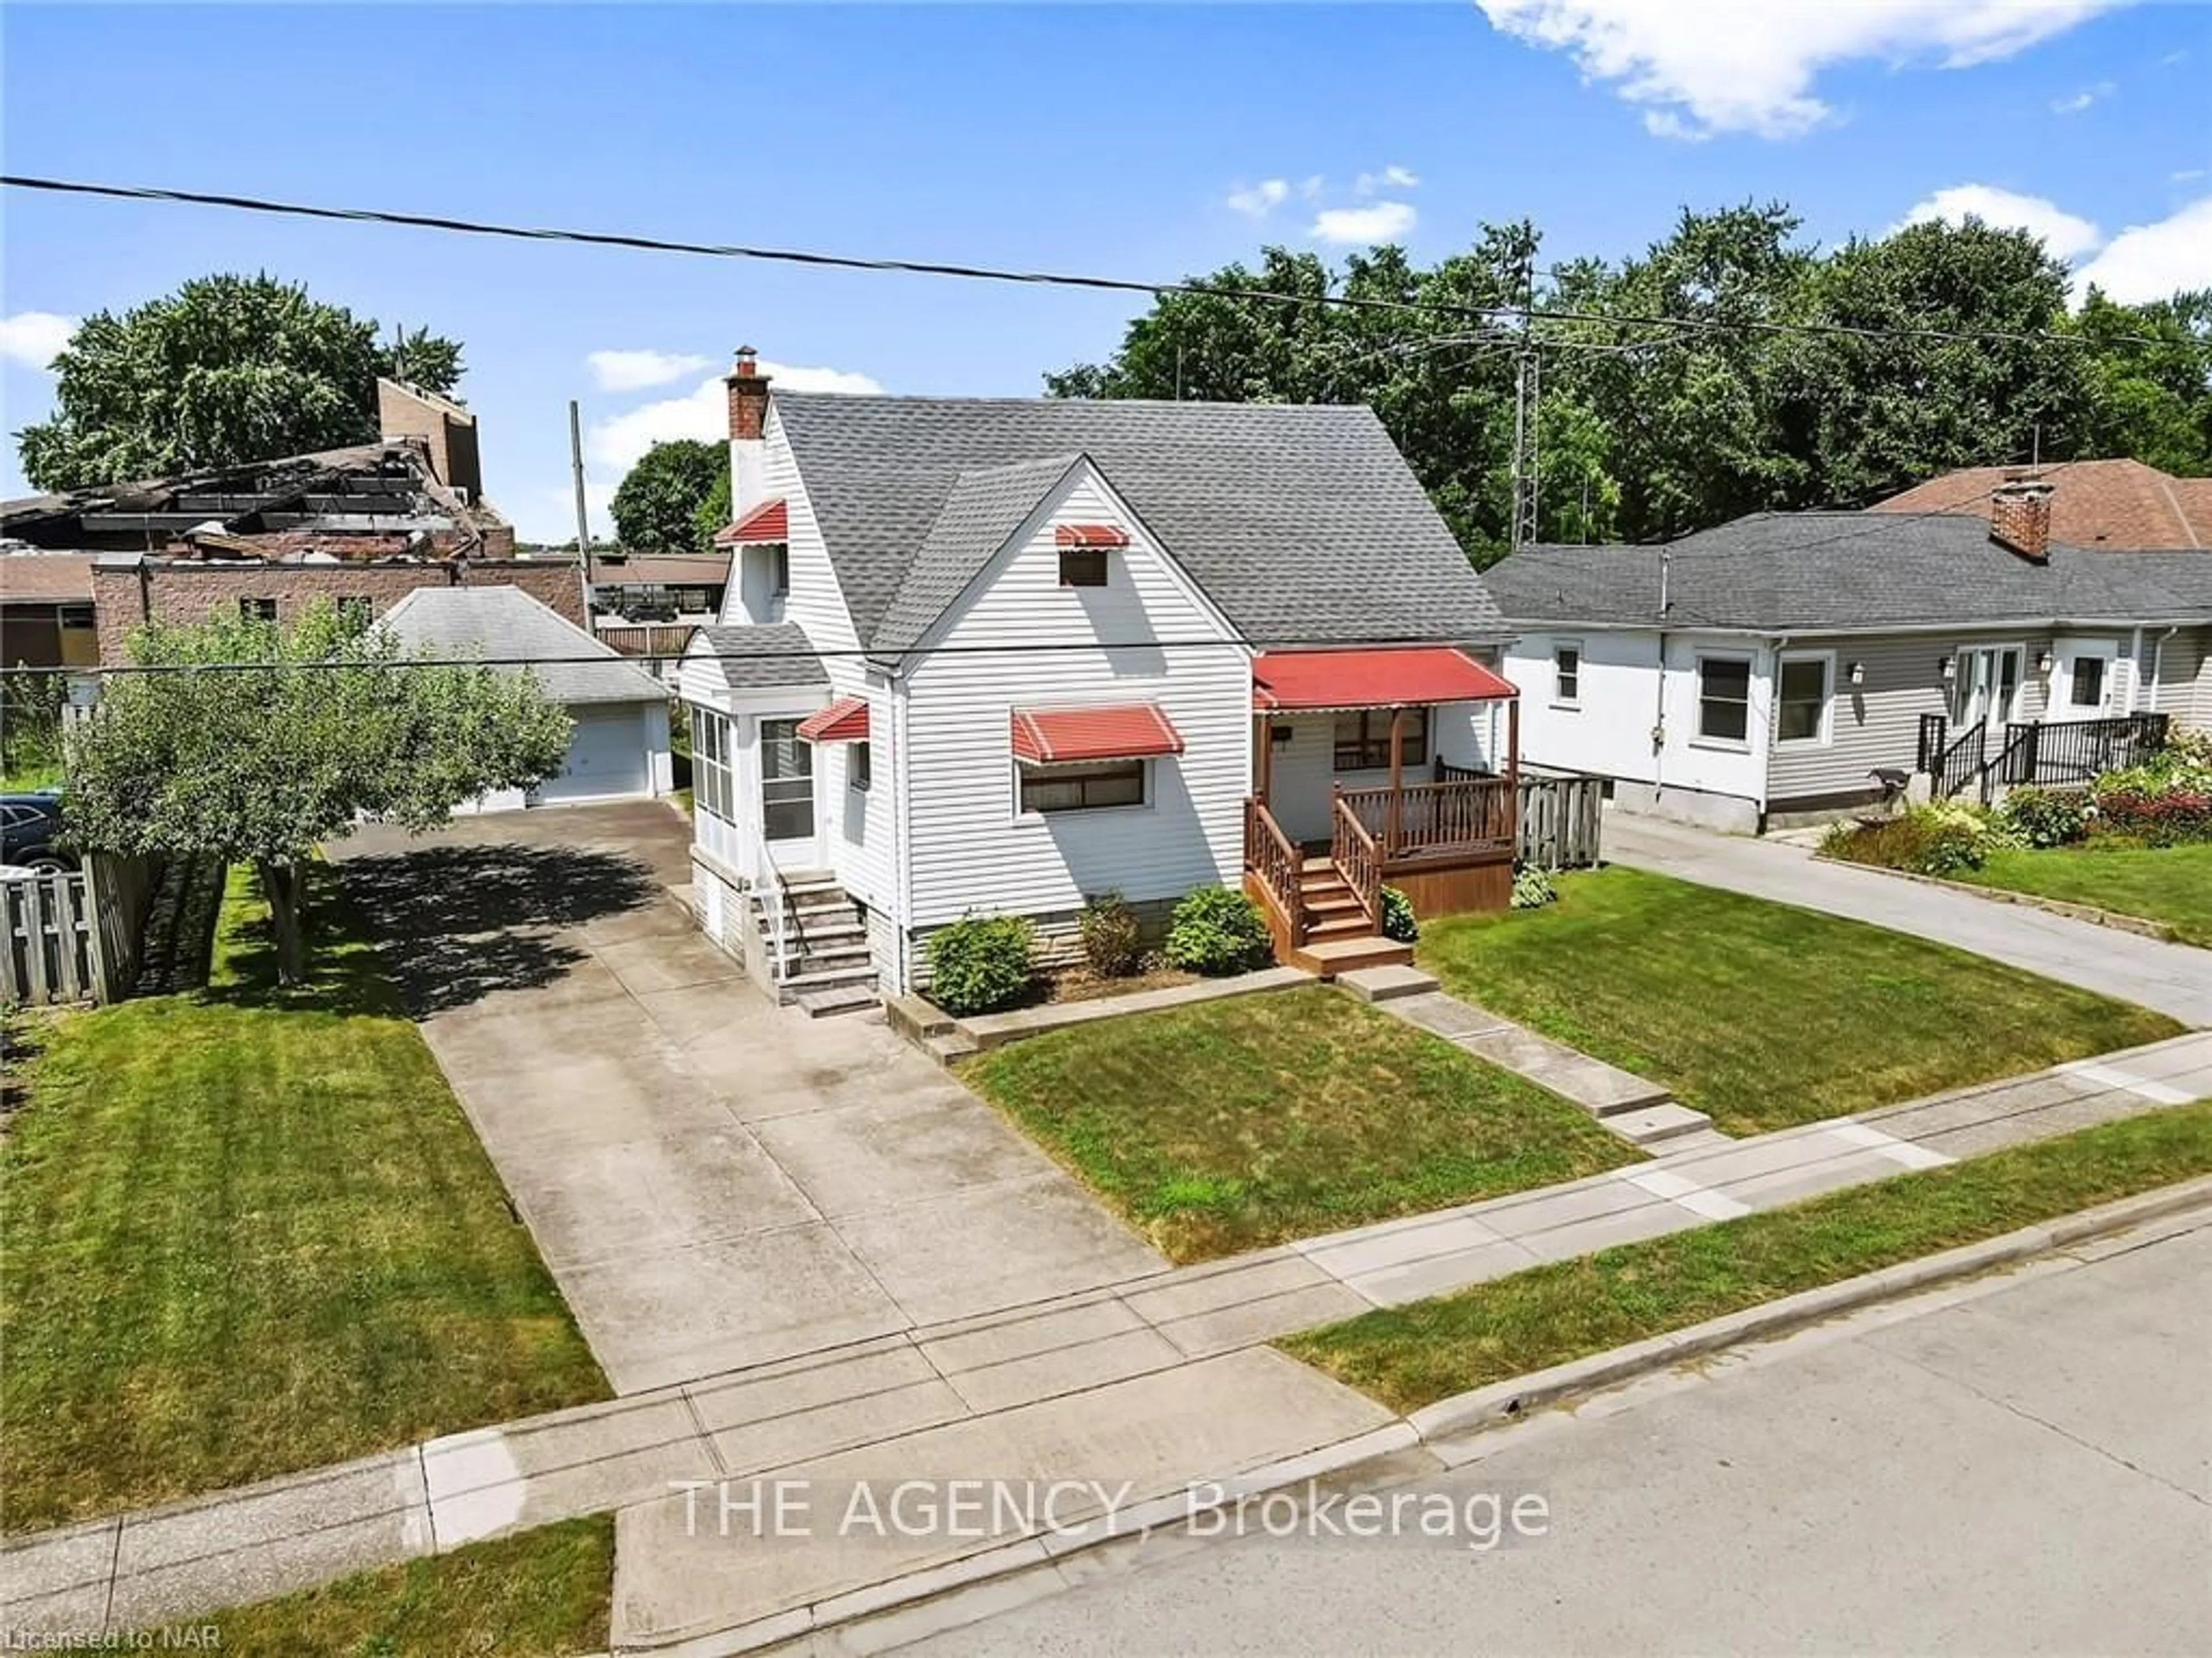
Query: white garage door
[(606, 755)]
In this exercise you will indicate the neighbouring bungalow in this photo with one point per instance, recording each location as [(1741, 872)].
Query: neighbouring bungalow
[(997, 656), (1791, 665)]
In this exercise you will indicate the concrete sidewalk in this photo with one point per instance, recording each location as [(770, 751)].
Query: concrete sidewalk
[(2176, 980), (1162, 1381)]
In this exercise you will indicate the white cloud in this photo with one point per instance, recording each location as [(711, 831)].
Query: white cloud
[(1383, 221), (1260, 199), (633, 371), (1395, 177), (2066, 235), (617, 442), (32, 337), (2082, 100), (2183, 175), (1751, 65), (2150, 262), (1311, 186)]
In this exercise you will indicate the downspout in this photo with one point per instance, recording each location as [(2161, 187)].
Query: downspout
[(2135, 671), (1659, 705), (902, 841), (2157, 664)]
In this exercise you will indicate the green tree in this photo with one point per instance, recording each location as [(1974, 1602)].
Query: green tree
[(2151, 401), (656, 506), (713, 513), (283, 737), (226, 369)]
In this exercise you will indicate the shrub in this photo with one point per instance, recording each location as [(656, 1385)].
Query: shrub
[(1533, 889), (1943, 838), (2045, 817), (2167, 819), (1217, 930), (1398, 920), (1112, 946), (980, 963)]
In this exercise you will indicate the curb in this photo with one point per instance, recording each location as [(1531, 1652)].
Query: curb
[(2064, 908), (1512, 1399), (951, 1595)]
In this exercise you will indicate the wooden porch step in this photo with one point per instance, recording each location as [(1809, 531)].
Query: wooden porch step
[(1327, 957), (1354, 926), (1335, 904)]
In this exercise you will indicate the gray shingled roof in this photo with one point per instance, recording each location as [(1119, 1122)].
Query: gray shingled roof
[(1847, 572), (985, 508), (776, 654), (505, 624), (1300, 522)]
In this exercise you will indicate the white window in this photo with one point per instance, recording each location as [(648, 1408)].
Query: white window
[(1724, 699), (1802, 687), (1083, 789), (712, 792), (1083, 566), (1567, 673), (2088, 683)]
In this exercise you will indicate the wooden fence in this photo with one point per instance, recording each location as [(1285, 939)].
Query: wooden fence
[(1560, 821), (75, 936)]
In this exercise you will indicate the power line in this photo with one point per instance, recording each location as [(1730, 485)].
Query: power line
[(1526, 313)]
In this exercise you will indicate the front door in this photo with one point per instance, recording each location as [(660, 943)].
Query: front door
[(1987, 687), (787, 791)]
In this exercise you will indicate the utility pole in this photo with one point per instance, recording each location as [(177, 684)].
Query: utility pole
[(583, 523), (1528, 401)]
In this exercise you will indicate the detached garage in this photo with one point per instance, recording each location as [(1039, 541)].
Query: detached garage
[(619, 748)]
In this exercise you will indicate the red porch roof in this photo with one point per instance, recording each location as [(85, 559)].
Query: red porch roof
[(1382, 678), (769, 521), (1065, 737), (844, 720), (1089, 535)]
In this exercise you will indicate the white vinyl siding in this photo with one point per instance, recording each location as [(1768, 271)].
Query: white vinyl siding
[(971, 848)]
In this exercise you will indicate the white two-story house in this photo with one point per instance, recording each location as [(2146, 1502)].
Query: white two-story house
[(997, 656)]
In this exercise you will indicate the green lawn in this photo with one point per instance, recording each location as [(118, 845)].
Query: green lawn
[(1412, 1355), (2169, 884), (542, 1593), (250, 1232), (1236, 1124), (1760, 1014)]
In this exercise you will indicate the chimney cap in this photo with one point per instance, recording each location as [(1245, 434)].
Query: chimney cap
[(748, 361), (2032, 488)]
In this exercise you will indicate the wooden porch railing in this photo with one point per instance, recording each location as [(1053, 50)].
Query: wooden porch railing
[(669, 639), (1423, 819), (1275, 862), (1357, 858)]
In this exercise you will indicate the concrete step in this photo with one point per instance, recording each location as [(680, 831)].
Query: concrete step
[(843, 999), (835, 931), (1387, 984), (828, 978), (811, 959), (813, 898), (947, 1046), (1657, 1125)]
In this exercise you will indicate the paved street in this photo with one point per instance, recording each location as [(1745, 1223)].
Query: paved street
[(2016, 1465), (716, 1181), (2175, 979)]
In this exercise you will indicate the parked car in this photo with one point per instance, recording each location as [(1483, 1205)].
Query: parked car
[(31, 831)]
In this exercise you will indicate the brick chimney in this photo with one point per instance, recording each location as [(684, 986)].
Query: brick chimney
[(748, 389), (2020, 517)]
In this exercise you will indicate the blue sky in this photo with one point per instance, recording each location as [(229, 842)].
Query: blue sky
[(1144, 140)]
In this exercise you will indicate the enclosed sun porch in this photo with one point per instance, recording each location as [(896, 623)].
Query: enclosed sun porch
[(1371, 769)]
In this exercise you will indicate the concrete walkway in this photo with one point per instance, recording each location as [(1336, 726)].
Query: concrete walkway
[(716, 1181), (2176, 980), (1160, 1380)]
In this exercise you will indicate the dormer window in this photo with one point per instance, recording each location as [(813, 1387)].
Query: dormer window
[(1083, 566)]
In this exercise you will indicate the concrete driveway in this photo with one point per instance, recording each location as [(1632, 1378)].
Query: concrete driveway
[(716, 1181)]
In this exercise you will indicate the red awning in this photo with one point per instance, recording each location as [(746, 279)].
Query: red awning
[(1289, 680), (1067, 736), (769, 521), (1089, 535), (844, 720)]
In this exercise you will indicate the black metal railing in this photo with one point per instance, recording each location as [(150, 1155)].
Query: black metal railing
[(1960, 761), (2072, 752)]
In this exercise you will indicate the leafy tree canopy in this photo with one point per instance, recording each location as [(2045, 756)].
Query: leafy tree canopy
[(657, 505), (303, 729), (226, 369), (1695, 413)]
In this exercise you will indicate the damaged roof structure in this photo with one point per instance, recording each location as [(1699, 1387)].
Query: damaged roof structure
[(374, 501)]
